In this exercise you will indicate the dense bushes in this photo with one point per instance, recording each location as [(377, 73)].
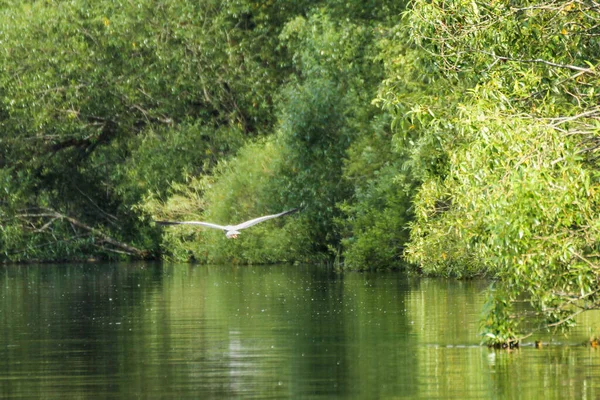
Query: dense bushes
[(322, 110), (105, 105)]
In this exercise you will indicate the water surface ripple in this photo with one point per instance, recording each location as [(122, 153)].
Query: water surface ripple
[(265, 332)]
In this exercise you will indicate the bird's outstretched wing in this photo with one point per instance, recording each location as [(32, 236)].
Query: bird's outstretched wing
[(208, 224), (255, 221)]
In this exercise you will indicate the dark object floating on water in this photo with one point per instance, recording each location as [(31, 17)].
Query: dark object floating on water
[(231, 231), (505, 345)]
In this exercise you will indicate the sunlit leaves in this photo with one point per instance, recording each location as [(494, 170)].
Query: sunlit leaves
[(505, 149)]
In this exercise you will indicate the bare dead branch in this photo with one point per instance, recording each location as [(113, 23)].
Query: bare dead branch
[(111, 217), (104, 248), (562, 321), (46, 225), (55, 215), (542, 61)]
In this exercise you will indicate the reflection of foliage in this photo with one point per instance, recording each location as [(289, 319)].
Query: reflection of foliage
[(177, 329)]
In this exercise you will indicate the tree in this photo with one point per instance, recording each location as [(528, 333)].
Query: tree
[(90, 89), (321, 110), (514, 192)]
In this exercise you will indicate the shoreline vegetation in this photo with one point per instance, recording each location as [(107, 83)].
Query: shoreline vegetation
[(449, 137)]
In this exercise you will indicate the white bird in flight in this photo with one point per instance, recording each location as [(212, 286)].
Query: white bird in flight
[(231, 231)]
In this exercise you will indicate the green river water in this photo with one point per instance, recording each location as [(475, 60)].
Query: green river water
[(169, 331)]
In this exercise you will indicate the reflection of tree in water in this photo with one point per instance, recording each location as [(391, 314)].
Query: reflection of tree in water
[(354, 337), (69, 320), (558, 372), (445, 316), (182, 330)]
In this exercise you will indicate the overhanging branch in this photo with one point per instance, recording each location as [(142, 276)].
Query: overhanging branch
[(55, 215), (541, 61)]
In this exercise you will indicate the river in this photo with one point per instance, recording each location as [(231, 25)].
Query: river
[(172, 331)]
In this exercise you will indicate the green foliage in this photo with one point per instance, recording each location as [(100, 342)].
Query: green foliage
[(374, 223), (300, 167), (240, 189), (322, 116), (505, 151), (101, 102), (377, 220), (314, 143), (110, 111), (173, 154), (323, 109)]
